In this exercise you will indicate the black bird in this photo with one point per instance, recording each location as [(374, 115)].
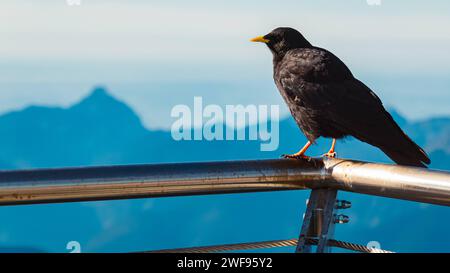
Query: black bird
[(326, 100)]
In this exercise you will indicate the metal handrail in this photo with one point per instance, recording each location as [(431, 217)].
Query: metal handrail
[(158, 180)]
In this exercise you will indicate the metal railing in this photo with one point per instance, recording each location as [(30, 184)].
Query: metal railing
[(159, 180)]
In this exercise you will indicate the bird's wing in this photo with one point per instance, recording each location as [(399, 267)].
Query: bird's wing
[(326, 86), (323, 83)]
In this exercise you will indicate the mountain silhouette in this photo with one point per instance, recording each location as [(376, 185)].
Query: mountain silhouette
[(101, 130), (97, 130)]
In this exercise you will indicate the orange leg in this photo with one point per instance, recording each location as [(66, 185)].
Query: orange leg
[(331, 152), (301, 153)]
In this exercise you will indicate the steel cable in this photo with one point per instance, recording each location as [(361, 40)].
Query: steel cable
[(269, 244)]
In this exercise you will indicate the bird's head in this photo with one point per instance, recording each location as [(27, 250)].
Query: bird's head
[(283, 39)]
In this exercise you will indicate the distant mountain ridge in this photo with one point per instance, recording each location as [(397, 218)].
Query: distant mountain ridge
[(101, 130)]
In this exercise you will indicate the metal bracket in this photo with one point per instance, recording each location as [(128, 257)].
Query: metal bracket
[(319, 220)]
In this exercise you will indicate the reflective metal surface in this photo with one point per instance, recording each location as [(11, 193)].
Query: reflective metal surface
[(416, 184), (138, 181), (318, 223)]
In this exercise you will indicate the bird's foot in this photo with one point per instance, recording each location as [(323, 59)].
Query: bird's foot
[(330, 154), (296, 156)]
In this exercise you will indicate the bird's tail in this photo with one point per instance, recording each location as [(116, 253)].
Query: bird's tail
[(407, 153)]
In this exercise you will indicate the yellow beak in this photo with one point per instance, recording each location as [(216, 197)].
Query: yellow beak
[(259, 39)]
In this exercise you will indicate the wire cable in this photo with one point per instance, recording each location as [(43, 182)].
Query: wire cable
[(269, 244)]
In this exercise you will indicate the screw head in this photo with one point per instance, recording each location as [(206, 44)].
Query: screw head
[(341, 219), (343, 204)]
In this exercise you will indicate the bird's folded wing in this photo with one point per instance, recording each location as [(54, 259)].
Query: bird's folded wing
[(322, 82), (326, 88)]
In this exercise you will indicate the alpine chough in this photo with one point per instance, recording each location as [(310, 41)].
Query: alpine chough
[(326, 100)]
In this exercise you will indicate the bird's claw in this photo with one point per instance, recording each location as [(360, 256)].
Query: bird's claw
[(296, 156), (330, 154)]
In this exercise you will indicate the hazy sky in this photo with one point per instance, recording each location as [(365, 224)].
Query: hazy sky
[(154, 54)]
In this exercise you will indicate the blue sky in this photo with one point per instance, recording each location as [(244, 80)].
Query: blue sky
[(154, 54)]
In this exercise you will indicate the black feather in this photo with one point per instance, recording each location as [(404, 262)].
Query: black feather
[(326, 100)]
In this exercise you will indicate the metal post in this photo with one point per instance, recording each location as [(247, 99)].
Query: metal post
[(318, 222)]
